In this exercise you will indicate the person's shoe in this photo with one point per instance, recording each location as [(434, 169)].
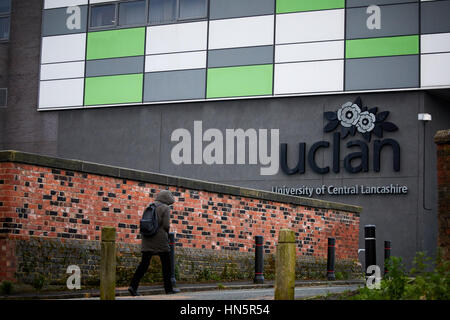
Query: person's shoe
[(174, 291), (133, 292)]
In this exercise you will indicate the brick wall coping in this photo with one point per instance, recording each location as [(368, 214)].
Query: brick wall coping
[(442, 137), (150, 177)]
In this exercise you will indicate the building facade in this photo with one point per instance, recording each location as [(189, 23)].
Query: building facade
[(318, 99)]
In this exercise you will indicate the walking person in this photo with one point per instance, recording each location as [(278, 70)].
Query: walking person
[(157, 244)]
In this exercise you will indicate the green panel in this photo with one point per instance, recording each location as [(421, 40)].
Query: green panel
[(113, 89), (116, 43), (240, 81), (284, 6), (379, 47)]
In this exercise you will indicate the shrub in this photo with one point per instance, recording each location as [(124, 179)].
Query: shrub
[(6, 287), (425, 281), (38, 282)]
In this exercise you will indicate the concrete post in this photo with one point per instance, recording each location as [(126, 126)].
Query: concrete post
[(108, 264), (285, 266)]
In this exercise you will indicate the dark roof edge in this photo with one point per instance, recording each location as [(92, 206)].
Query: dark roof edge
[(157, 178)]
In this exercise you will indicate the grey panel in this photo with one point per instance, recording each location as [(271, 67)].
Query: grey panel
[(382, 73), (220, 9), (60, 21), (395, 20), (114, 66), (113, 136), (175, 85), (435, 17), (366, 3), (240, 56)]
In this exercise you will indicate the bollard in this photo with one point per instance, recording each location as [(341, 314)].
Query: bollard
[(285, 266), (387, 255), (108, 264), (259, 260), (370, 241), (172, 258), (330, 261)]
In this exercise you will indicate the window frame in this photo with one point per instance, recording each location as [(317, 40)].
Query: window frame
[(146, 3), (192, 19), (116, 16), (8, 16), (178, 19), (147, 22)]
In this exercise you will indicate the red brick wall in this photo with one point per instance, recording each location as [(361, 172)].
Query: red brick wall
[(442, 139), (59, 204)]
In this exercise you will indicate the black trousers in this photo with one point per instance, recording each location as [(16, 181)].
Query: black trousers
[(143, 266)]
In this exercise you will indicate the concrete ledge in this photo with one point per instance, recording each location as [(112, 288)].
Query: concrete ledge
[(442, 137), (185, 288), (150, 177)]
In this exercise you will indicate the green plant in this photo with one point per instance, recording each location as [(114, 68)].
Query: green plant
[(206, 275), (221, 286), (38, 282), (339, 275), (425, 281), (6, 287)]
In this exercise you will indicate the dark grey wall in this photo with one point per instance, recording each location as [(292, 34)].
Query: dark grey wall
[(139, 138), (24, 128)]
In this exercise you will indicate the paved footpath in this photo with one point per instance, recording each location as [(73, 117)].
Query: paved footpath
[(240, 294)]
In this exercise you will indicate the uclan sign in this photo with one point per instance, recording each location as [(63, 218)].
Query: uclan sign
[(214, 147), (352, 118)]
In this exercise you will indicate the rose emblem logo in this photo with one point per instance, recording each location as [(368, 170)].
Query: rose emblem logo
[(366, 122), (352, 117), (349, 114)]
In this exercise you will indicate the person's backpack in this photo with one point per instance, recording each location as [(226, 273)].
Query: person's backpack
[(149, 222)]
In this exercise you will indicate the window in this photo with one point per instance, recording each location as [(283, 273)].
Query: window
[(132, 13), (166, 11), (5, 11), (162, 11), (103, 16), (192, 9), (3, 97)]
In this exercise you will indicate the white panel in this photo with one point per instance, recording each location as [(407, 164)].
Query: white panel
[(319, 76), (241, 32), (439, 42), (63, 48), (177, 37), (62, 70), (175, 61), (61, 93), (309, 51), (310, 26), (435, 70), (50, 4)]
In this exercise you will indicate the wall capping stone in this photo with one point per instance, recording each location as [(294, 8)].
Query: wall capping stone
[(442, 137), (150, 177)]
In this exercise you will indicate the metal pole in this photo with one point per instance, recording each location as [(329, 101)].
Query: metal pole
[(370, 241), (387, 255), (108, 264), (330, 261), (259, 260), (172, 258)]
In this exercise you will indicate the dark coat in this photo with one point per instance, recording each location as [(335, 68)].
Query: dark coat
[(160, 241)]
